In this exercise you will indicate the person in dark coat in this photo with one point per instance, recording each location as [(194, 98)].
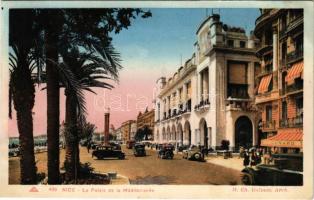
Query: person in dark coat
[(246, 160), (253, 158), (88, 147)]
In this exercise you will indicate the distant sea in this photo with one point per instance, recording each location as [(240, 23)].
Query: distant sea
[(37, 141)]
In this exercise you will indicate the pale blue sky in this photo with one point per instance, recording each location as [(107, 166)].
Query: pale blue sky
[(161, 39)]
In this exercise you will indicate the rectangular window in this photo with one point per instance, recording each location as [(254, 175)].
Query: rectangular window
[(299, 106), (242, 44), (230, 43), (298, 43), (284, 110), (268, 113)]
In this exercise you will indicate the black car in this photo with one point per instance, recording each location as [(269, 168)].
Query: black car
[(94, 146), (139, 150), (166, 152), (102, 152), (115, 146), (286, 170)]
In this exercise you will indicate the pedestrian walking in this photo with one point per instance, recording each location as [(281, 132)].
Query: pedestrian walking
[(88, 147), (253, 158), (259, 155), (246, 160), (241, 152)]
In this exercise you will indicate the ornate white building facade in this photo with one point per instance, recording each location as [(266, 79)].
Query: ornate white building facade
[(211, 97)]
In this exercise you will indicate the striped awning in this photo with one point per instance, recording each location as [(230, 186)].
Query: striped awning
[(263, 86), (294, 72), (284, 139)]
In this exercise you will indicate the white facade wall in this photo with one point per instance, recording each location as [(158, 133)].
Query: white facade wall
[(219, 117)]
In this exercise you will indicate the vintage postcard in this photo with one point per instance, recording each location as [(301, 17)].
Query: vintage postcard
[(148, 99)]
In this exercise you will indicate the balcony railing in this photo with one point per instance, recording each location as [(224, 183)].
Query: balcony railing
[(269, 125), (294, 56), (202, 104), (188, 105), (264, 48), (239, 105), (298, 20), (262, 17), (291, 122), (294, 88)]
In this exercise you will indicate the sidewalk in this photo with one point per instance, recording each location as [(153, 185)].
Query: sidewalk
[(120, 180), (234, 163)]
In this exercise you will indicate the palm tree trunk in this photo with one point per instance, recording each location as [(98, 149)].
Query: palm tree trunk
[(53, 110), (72, 162), (24, 97), (27, 161)]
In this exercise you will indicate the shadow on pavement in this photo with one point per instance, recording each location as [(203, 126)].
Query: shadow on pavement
[(147, 180)]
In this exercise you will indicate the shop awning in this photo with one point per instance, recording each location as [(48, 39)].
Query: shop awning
[(263, 86), (284, 139), (294, 72)]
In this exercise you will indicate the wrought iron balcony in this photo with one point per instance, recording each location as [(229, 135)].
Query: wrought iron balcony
[(297, 87), (292, 122), (295, 56), (187, 108), (295, 23), (202, 104)]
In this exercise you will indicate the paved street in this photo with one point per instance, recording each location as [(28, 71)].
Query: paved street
[(150, 169)]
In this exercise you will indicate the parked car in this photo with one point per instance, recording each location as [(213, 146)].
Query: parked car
[(14, 152), (115, 145), (130, 144), (166, 152), (102, 152), (139, 150), (193, 153), (287, 169), (94, 146), (183, 147)]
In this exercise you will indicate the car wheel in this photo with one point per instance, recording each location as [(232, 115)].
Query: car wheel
[(197, 156), (247, 179)]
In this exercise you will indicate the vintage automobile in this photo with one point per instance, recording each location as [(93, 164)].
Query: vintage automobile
[(181, 148), (166, 152), (102, 152), (14, 152), (93, 146), (139, 150), (193, 153), (287, 169), (115, 146)]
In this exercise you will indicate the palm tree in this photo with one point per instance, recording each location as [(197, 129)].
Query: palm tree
[(90, 71), (24, 60), (64, 26)]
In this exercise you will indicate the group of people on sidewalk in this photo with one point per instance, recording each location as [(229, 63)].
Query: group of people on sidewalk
[(255, 156)]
